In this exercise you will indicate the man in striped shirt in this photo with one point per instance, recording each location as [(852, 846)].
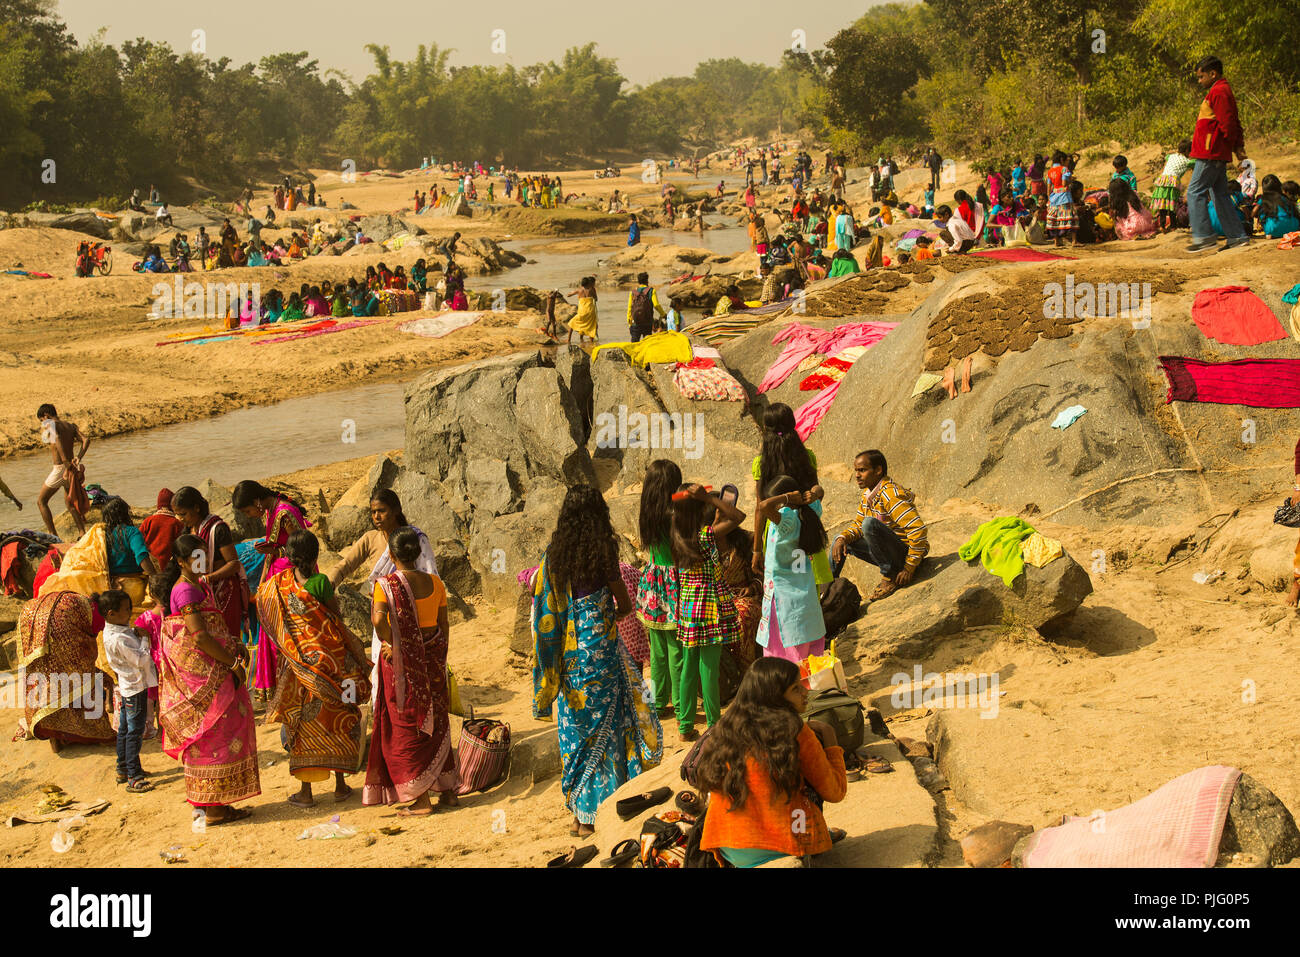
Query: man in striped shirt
[(887, 531)]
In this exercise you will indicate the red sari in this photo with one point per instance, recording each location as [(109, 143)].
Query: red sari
[(229, 596), (410, 750)]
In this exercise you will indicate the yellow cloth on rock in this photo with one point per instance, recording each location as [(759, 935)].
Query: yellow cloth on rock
[(1039, 550), (84, 569), (660, 347), (810, 362), (925, 382)]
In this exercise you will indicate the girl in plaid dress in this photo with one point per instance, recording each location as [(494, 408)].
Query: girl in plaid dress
[(706, 611)]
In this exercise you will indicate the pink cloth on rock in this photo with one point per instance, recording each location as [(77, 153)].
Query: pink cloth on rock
[(1179, 825), (802, 341), (809, 415), (1263, 383)]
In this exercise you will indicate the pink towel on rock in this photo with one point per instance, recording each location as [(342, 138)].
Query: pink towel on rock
[(802, 341), (1017, 254), (1178, 825), (808, 415), (1236, 316)]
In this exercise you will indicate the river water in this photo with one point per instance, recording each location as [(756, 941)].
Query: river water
[(313, 430)]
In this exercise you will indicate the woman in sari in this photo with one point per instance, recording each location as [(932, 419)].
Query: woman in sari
[(283, 517), (224, 580), (316, 700), (204, 708), (129, 562), (387, 517), (608, 734), (410, 750), (56, 635)]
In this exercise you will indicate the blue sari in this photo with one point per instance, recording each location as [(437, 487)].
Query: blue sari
[(608, 734)]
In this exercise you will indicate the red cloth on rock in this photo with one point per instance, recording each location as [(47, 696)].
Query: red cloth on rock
[(1236, 316)]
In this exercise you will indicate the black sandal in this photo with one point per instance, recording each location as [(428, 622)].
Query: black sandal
[(632, 806), (577, 857), (689, 802), (622, 852)]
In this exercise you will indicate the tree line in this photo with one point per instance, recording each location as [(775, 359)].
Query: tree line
[(978, 78)]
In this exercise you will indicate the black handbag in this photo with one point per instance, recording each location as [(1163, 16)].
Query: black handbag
[(1288, 514)]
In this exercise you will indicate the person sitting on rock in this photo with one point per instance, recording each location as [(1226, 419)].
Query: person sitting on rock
[(887, 531)]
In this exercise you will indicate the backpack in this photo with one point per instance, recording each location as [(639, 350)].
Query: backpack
[(729, 675), (692, 761), (842, 713), (642, 309), (841, 606), (694, 856)]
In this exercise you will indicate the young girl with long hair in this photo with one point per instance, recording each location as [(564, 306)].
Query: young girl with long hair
[(608, 734), (656, 594), (758, 765), (783, 453), (706, 612), (792, 626), (1132, 220)]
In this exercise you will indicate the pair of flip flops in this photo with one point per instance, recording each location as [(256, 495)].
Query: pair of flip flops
[(630, 807), (576, 857)]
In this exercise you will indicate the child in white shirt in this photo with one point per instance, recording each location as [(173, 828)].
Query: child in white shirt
[(128, 655)]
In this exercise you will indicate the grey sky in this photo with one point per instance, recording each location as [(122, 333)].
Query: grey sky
[(650, 40)]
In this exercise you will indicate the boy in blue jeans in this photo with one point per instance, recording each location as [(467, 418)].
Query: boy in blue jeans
[(128, 654)]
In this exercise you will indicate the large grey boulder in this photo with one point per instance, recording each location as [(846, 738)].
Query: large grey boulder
[(457, 207), (1259, 827), (516, 409), (949, 596), (349, 519), (1128, 460), (384, 227), (84, 222)]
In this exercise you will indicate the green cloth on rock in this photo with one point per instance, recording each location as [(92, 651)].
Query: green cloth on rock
[(997, 544)]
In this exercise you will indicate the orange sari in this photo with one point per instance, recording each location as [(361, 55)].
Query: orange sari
[(320, 685)]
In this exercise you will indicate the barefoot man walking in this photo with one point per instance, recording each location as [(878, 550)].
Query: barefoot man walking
[(67, 472)]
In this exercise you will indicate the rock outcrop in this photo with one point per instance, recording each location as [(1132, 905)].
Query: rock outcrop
[(949, 596)]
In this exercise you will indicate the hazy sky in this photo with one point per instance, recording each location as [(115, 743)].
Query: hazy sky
[(650, 39)]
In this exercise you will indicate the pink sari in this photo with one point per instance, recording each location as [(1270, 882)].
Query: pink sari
[(208, 722), (281, 522)]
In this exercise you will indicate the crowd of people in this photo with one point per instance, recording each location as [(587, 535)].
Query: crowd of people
[(202, 631), (715, 586)]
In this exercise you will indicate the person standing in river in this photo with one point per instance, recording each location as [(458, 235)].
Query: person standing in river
[(67, 472)]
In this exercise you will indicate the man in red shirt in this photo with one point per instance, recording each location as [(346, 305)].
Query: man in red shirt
[(1217, 138)]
